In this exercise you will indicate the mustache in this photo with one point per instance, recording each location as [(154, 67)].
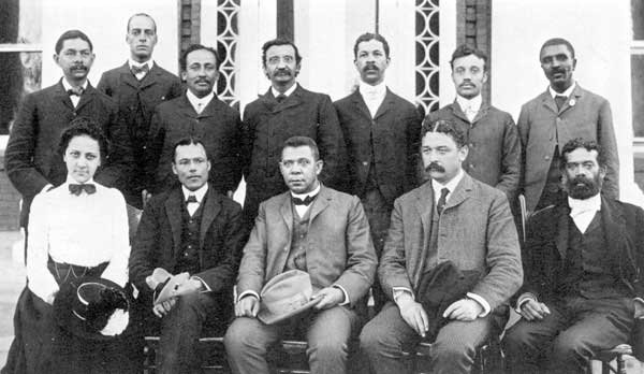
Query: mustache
[(203, 80), (80, 67), (435, 166), (369, 67)]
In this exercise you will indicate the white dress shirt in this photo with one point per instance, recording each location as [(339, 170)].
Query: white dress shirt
[(199, 103), (582, 212), (471, 106), (373, 96), (75, 99), (301, 209), (566, 93), (198, 194), (286, 93), (84, 230), (141, 74)]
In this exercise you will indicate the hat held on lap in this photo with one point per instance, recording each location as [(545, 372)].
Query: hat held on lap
[(286, 295), (92, 308), (167, 286)]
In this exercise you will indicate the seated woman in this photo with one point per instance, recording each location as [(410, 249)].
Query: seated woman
[(76, 229)]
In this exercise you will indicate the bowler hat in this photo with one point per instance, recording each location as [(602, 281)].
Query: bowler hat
[(286, 295), (92, 308)]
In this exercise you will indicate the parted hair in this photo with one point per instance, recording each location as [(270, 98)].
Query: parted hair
[(444, 126), (84, 126), (69, 35), (302, 141)]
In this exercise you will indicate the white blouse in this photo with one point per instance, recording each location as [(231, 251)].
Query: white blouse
[(84, 230)]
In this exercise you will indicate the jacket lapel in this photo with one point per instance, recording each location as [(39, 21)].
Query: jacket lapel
[(458, 111), (481, 113), (150, 77), (320, 203), (460, 194), (87, 97), (425, 209), (174, 209), (359, 103), (387, 105), (574, 97), (186, 109), (62, 95), (211, 209), (548, 102), (614, 224), (127, 77), (292, 100), (561, 239), (286, 212)]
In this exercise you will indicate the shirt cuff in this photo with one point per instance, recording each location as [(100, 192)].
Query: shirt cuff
[(346, 295), (207, 289), (247, 293), (482, 302), (399, 291)]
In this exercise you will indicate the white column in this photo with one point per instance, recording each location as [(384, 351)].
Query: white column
[(447, 45), (105, 23), (599, 30), (208, 34)]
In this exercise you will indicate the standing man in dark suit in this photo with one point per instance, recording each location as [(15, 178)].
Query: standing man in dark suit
[(382, 133), (286, 110), (562, 113), (451, 218), (30, 158), (314, 229), (201, 115), (191, 228), (583, 266), (494, 148), (138, 87)]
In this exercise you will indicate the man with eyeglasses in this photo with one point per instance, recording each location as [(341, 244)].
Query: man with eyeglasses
[(314, 229), (31, 158)]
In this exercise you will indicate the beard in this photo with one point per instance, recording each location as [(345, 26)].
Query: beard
[(582, 188)]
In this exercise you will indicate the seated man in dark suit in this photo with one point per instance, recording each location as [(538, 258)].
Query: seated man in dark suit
[(452, 218), (314, 229), (193, 229), (583, 265)]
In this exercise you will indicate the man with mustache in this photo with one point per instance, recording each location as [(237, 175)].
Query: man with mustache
[(138, 86), (494, 155), (31, 158), (287, 109), (583, 289), (197, 114), (562, 113), (382, 133), (451, 218)]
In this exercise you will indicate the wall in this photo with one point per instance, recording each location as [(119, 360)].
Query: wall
[(600, 31)]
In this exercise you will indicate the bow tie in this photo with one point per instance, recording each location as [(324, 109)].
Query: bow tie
[(140, 69), (77, 91), (76, 189), (191, 199), (306, 202), (280, 98)]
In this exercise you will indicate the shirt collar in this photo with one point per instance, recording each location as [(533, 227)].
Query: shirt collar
[(71, 180), (592, 204), (473, 104), (132, 63), (194, 100), (304, 195), (451, 185), (68, 86), (378, 90), (566, 93), (288, 92), (199, 194)]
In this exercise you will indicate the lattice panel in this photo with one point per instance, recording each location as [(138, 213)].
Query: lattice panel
[(427, 30), (227, 38)]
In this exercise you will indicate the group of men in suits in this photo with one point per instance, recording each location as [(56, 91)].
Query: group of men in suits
[(425, 193)]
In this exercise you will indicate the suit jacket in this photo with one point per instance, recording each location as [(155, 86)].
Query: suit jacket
[(476, 232), (391, 140), (547, 244), (136, 102), (218, 127), (541, 128), (494, 155), (339, 249), (268, 124), (158, 241), (32, 159)]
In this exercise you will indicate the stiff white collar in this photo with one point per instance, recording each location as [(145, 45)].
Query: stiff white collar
[(451, 186), (287, 93), (566, 93), (195, 101), (473, 104), (199, 193), (133, 63)]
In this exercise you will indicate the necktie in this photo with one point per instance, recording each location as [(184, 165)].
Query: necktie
[(560, 100), (75, 91), (191, 199), (192, 205), (307, 201), (144, 69), (470, 113), (442, 200), (76, 189), (280, 98), (199, 107)]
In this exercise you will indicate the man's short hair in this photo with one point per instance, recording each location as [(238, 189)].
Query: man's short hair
[(196, 47), (370, 36), (301, 141), (577, 143), (184, 142), (129, 21), (277, 42), (557, 41), (72, 34), (447, 127), (466, 50), (84, 126)]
